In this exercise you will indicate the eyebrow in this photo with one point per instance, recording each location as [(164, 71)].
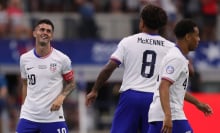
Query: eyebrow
[(50, 30)]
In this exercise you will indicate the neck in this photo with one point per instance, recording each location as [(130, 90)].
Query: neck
[(149, 31), (183, 47), (42, 51)]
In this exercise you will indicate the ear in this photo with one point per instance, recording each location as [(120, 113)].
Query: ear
[(34, 33), (141, 25), (188, 37)]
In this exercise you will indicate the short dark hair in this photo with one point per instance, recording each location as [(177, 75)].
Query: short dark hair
[(45, 21), (154, 17), (184, 27)]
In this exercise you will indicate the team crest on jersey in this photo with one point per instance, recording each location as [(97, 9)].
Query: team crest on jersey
[(170, 69), (53, 67)]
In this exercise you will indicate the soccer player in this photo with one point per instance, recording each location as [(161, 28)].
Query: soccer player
[(166, 113), (140, 54), (47, 80)]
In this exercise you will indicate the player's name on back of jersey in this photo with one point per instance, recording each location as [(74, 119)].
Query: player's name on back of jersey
[(150, 41)]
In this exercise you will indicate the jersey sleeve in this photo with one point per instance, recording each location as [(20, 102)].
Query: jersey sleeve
[(172, 69), (119, 53), (22, 68), (67, 70)]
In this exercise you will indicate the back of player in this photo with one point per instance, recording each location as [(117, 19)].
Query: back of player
[(140, 55)]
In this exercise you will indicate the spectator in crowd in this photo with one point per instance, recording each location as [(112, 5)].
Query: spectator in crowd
[(17, 27), (3, 21), (191, 8), (52, 5), (87, 28), (31, 5), (115, 6), (209, 18), (174, 15), (132, 5)]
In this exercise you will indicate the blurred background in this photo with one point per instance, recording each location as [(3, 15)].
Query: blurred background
[(88, 32)]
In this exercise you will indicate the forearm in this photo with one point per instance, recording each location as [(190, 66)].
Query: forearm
[(191, 99), (101, 80), (104, 75), (205, 108), (68, 88)]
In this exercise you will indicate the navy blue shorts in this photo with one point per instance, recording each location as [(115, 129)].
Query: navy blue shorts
[(26, 126), (131, 115), (179, 126)]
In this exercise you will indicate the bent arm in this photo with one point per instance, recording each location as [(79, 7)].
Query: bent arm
[(69, 86), (104, 75), (191, 99), (205, 108)]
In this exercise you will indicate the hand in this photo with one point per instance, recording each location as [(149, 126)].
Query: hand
[(205, 108), (167, 125), (90, 98), (57, 103)]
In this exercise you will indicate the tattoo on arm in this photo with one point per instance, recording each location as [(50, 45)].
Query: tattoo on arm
[(68, 88)]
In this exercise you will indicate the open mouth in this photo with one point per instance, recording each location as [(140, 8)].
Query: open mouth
[(44, 37)]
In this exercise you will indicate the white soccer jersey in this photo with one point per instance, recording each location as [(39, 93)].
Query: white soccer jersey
[(44, 83), (174, 68), (140, 55)]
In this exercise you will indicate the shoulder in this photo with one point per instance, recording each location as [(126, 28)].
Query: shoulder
[(131, 37), (28, 54), (59, 53), (168, 42), (61, 56), (175, 54)]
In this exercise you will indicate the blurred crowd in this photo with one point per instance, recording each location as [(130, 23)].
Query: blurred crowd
[(12, 26), (204, 12)]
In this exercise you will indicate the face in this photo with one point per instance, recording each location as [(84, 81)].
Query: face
[(43, 34), (194, 39)]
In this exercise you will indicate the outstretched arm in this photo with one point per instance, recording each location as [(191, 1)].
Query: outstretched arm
[(205, 108), (103, 76)]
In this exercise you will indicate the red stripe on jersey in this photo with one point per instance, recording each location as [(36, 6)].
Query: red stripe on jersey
[(168, 79), (68, 76)]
